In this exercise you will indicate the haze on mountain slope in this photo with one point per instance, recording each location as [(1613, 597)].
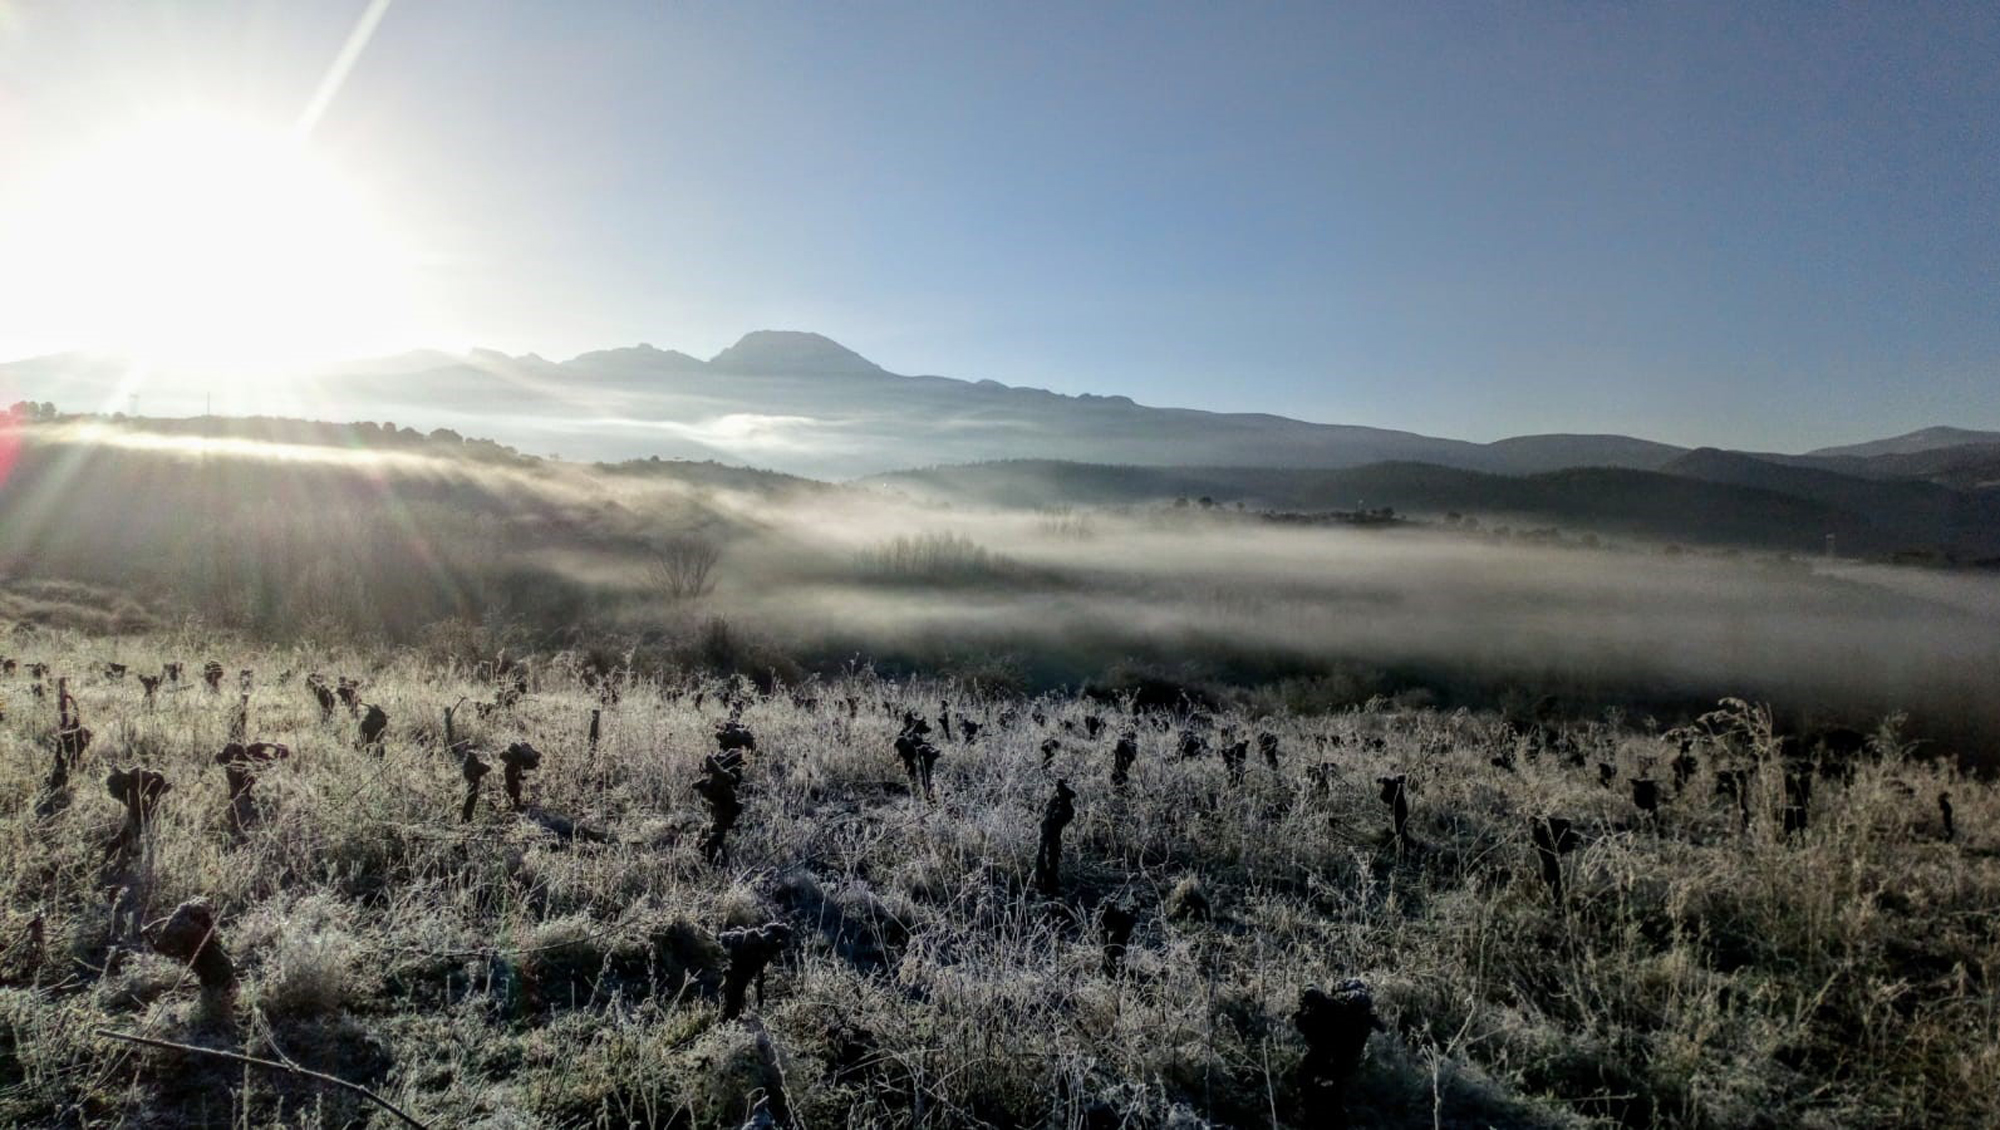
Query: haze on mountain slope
[(796, 402), (805, 405)]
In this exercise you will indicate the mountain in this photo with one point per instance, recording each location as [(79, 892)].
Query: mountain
[(1924, 439), (801, 404), (804, 404), (792, 401), (791, 351)]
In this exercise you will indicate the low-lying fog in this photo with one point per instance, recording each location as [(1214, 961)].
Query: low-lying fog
[(1835, 637), (816, 572)]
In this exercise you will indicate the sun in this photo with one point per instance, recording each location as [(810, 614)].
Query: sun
[(198, 242)]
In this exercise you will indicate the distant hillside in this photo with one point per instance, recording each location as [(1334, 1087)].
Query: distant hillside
[(1525, 455), (804, 404), (1695, 508), (1909, 512), (284, 524), (1972, 466), (636, 359), (1909, 443), (708, 473)]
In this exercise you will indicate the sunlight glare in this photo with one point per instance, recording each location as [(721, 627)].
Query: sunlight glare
[(202, 243)]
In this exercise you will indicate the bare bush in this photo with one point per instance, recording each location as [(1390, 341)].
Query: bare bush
[(937, 559), (683, 568)]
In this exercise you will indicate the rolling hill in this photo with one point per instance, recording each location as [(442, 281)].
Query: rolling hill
[(1911, 443), (1910, 511), (1971, 466), (1714, 498)]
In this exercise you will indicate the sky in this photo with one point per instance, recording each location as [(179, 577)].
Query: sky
[(1769, 226)]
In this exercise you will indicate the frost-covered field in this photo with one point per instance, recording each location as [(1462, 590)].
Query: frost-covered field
[(1701, 966)]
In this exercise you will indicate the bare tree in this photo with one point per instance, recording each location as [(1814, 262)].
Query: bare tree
[(684, 567)]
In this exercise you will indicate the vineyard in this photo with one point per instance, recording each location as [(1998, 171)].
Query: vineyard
[(552, 890)]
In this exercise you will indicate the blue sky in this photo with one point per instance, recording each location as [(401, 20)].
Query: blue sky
[(1767, 225)]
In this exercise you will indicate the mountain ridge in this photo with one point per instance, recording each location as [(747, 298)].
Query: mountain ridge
[(1910, 443), (803, 403)]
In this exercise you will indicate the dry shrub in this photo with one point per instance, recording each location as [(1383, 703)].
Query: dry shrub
[(308, 954)]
